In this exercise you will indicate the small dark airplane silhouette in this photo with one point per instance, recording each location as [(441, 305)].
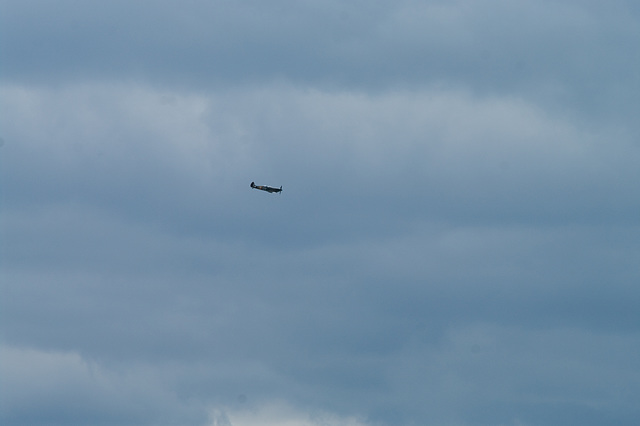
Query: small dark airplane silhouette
[(266, 188)]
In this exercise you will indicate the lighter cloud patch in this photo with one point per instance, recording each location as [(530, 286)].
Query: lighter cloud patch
[(69, 125), (279, 414), (500, 155), (440, 132), (60, 386)]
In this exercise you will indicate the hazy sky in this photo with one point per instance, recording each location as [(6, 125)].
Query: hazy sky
[(457, 242)]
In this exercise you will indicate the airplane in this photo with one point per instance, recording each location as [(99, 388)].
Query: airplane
[(266, 188)]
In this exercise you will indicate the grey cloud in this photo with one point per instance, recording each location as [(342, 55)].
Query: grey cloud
[(63, 388), (325, 324), (430, 155), (456, 243), (574, 53)]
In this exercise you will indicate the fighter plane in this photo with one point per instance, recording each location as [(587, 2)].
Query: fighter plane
[(266, 188)]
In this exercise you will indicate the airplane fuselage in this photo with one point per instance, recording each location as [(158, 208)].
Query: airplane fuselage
[(269, 189)]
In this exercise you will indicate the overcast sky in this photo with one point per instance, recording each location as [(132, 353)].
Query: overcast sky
[(457, 242)]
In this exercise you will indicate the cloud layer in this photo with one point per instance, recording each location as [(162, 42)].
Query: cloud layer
[(456, 242)]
